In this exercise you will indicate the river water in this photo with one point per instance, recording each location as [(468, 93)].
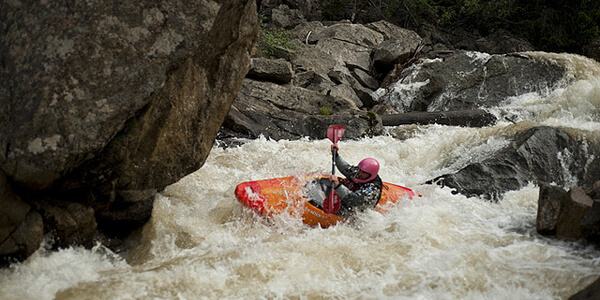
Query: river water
[(202, 244)]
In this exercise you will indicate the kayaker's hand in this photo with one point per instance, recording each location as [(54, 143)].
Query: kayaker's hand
[(336, 147), (335, 180)]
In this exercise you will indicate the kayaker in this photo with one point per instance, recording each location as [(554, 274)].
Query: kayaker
[(361, 189)]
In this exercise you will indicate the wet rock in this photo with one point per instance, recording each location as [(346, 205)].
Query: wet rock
[(472, 118), (96, 94), (500, 44), (570, 215), (576, 205), (550, 202), (592, 49), (470, 80), (591, 292), (68, 223), (21, 227), (594, 191), (590, 224), (530, 156)]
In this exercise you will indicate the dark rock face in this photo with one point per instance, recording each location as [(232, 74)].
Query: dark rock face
[(539, 154), (573, 209), (573, 214), (469, 80), (589, 293), (96, 95), (327, 81), (21, 227), (267, 109), (550, 202)]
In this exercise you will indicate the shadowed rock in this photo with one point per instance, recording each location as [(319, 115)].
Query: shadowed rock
[(105, 103)]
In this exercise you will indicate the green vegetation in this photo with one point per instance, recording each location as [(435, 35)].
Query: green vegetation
[(270, 38), (550, 25), (326, 111)]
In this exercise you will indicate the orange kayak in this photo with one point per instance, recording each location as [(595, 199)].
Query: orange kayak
[(291, 195)]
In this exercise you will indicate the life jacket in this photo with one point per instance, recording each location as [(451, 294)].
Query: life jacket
[(353, 186)]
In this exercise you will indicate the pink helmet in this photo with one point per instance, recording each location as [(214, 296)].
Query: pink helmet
[(369, 165)]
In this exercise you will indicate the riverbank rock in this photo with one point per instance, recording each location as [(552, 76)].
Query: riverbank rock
[(96, 95), (288, 112), (21, 227), (538, 154), (573, 214), (462, 80), (591, 292), (331, 81)]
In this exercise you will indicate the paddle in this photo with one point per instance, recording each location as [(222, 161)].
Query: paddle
[(331, 205)]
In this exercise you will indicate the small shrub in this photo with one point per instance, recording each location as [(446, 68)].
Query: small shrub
[(271, 38), (326, 111)]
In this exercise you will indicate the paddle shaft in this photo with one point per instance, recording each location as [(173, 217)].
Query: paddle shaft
[(333, 161), (332, 203)]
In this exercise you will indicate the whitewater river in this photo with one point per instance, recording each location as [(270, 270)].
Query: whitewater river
[(202, 244)]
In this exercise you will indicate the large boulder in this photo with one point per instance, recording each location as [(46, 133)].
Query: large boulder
[(348, 44), (398, 47), (469, 80), (537, 154), (96, 95), (569, 215)]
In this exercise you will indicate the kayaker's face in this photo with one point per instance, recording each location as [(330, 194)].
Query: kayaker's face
[(362, 175)]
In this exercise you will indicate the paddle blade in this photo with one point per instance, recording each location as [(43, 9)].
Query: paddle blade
[(331, 205), (335, 132)]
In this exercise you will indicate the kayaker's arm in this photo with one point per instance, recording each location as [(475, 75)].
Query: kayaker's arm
[(344, 167)]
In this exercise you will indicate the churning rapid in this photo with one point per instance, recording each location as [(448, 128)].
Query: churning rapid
[(202, 244)]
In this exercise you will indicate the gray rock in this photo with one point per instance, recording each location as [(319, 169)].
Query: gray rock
[(284, 17), (575, 206), (469, 80), (550, 201), (529, 157), (96, 96), (274, 70), (347, 54), (310, 58), (394, 51), (277, 112), (345, 91), (390, 31), (365, 79), (313, 81), (354, 34)]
